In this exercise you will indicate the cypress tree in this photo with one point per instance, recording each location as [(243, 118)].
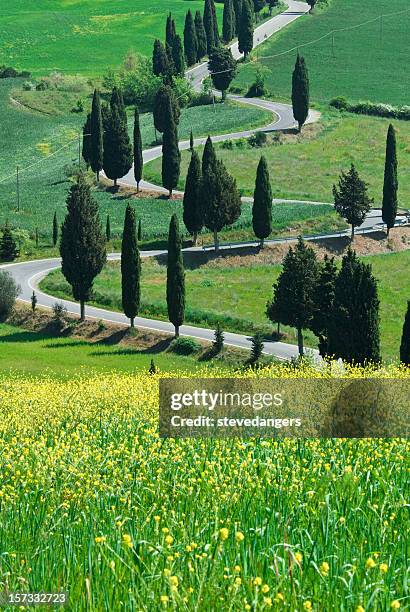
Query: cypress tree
[(354, 323), (171, 156), (324, 295), (208, 156), (237, 4), (163, 98), (351, 199), (193, 215), (209, 26), (390, 186), (178, 56), (160, 64), (97, 136), (108, 229), (190, 43), (220, 199), (215, 24), (138, 159), (245, 32), (258, 6), (191, 141), (86, 151), (8, 246), (117, 146), (219, 339), (117, 102), (262, 203), (130, 267), (169, 30), (201, 39), (171, 67), (139, 231), (175, 277), (257, 349), (228, 26), (55, 229), (293, 299), (82, 245), (222, 67), (300, 91), (405, 339)]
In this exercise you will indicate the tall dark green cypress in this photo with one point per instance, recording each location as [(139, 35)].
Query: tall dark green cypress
[(262, 203), (190, 43), (178, 56), (117, 146), (138, 159), (130, 267), (405, 339), (228, 25), (169, 30), (139, 231), (8, 245), (160, 64), (208, 156), (117, 101), (245, 32), (171, 156), (300, 91), (324, 295), (82, 245), (354, 325), (163, 98), (201, 39), (86, 152), (391, 184), (55, 229), (237, 4), (215, 24), (209, 26), (97, 136), (351, 199), (175, 277), (193, 213), (108, 229)]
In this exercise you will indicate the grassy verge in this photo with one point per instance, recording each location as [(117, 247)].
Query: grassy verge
[(306, 167), (368, 63), (234, 293)]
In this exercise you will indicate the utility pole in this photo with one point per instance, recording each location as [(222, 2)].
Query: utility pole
[(18, 188)]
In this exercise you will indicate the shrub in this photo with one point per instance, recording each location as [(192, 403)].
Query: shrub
[(8, 246), (372, 108), (259, 139), (59, 312), (9, 291), (185, 346), (136, 81), (227, 144), (258, 88), (28, 86)]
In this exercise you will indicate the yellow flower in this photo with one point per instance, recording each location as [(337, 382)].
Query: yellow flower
[(188, 548), (360, 609), (342, 520), (265, 588), (324, 568), (238, 581), (157, 518), (239, 537), (173, 581), (307, 605), (247, 607), (237, 568), (165, 530), (257, 581), (279, 597), (127, 540), (395, 605), (383, 568), (164, 599), (267, 601), (370, 563), (100, 539), (167, 572), (168, 540), (223, 533), (298, 557)]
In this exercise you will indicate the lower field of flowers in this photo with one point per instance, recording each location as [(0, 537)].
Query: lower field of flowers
[(92, 501)]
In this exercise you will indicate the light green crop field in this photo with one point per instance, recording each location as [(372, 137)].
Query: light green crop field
[(369, 63), (83, 37), (236, 296), (306, 170)]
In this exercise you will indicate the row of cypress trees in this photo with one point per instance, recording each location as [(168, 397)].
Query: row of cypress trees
[(106, 143)]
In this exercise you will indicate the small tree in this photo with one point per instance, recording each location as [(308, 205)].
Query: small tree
[(351, 199), (262, 203), (190, 42), (272, 5), (300, 91), (258, 5), (175, 277), (82, 245), (138, 159), (130, 267), (229, 24), (164, 100), (117, 146), (405, 339), (152, 368), (390, 186), (208, 156), (33, 301), (245, 32), (222, 67), (257, 348), (178, 56), (160, 63), (87, 142), (9, 291), (312, 4), (353, 332), (191, 141), (219, 339), (201, 39), (139, 231), (293, 299), (55, 229), (108, 229), (193, 214), (97, 136), (9, 250), (171, 156)]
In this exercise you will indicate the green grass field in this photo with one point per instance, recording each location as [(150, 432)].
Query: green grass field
[(236, 295), (86, 37), (366, 66), (47, 145), (307, 169)]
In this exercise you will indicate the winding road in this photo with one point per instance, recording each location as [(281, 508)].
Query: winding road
[(28, 274)]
